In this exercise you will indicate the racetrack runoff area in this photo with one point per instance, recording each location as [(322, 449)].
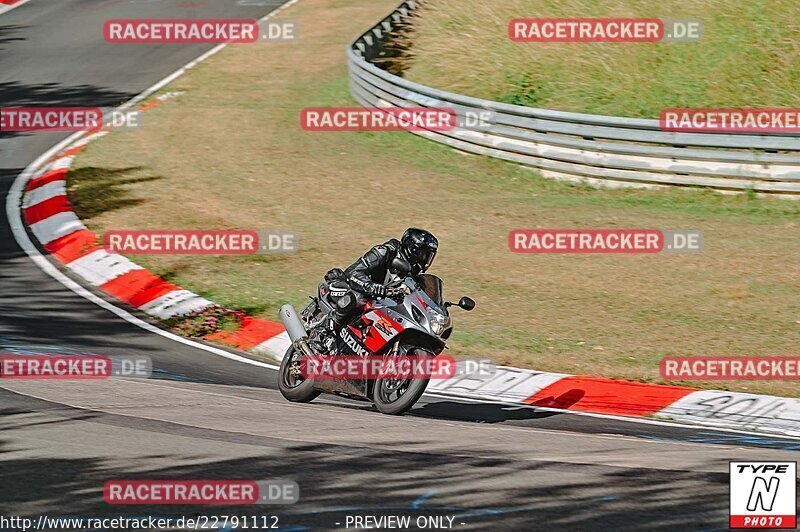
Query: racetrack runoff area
[(230, 153)]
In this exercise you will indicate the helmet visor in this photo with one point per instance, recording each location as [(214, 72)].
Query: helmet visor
[(425, 258)]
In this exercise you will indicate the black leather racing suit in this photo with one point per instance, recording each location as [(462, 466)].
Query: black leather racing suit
[(363, 279)]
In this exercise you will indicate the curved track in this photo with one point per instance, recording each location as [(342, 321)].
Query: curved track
[(489, 466)]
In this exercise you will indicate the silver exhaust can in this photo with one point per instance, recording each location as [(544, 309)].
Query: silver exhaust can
[(290, 319)]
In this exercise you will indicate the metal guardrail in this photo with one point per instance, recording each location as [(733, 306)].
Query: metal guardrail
[(573, 146)]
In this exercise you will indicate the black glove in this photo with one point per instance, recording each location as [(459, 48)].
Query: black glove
[(377, 290), (397, 292), (334, 275)]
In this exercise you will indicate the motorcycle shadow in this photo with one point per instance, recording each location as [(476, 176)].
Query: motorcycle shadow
[(477, 412)]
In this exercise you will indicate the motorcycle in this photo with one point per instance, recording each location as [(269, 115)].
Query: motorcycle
[(413, 320)]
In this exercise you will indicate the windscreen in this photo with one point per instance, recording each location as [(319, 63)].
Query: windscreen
[(432, 286)]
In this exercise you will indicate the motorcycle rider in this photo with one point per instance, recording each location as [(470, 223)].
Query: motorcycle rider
[(367, 277)]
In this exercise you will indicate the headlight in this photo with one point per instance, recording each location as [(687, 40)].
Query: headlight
[(439, 322)]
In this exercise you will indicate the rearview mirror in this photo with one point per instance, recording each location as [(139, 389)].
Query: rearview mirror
[(401, 266), (467, 303)]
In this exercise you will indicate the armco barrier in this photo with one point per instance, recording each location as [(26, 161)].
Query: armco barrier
[(616, 150)]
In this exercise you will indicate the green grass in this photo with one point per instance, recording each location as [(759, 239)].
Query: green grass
[(748, 56)]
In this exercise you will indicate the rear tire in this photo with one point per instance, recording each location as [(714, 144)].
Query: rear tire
[(296, 390), (386, 405)]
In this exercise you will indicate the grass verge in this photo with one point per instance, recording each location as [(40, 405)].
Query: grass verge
[(748, 56)]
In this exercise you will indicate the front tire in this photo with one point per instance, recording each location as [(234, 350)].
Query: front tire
[(386, 398), (293, 386)]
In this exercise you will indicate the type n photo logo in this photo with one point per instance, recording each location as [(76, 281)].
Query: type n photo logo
[(763, 495)]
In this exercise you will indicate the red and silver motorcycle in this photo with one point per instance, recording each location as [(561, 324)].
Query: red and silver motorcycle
[(413, 320)]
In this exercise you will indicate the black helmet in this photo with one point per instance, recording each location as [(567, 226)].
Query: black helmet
[(418, 246)]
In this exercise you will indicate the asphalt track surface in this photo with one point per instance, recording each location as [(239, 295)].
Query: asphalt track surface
[(489, 467)]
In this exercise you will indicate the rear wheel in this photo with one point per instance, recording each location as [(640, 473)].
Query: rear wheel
[(396, 396), (291, 383)]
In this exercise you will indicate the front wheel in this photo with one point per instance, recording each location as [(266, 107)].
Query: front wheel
[(291, 383), (395, 396)]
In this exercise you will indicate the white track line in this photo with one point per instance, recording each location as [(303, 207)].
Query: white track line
[(14, 215)]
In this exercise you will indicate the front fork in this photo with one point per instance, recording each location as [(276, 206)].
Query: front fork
[(393, 352)]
